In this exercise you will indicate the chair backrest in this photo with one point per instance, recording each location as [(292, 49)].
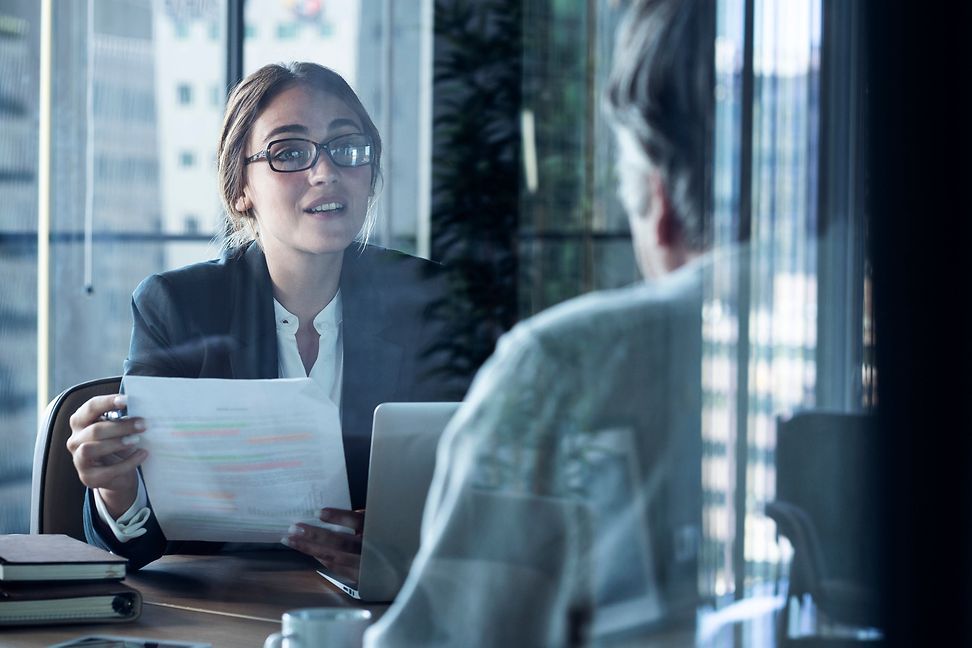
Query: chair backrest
[(826, 466), (56, 494)]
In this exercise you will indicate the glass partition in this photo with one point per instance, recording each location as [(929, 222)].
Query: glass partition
[(499, 162), (19, 59), (134, 126)]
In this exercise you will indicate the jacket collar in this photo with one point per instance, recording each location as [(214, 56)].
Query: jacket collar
[(372, 355), (252, 324)]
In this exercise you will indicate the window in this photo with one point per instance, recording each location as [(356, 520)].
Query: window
[(18, 258), (785, 329), (287, 31), (185, 93), (116, 205), (191, 224), (789, 328)]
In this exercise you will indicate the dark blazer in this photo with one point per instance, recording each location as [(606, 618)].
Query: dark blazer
[(216, 320)]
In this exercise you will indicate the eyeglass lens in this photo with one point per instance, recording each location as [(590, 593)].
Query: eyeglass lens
[(299, 154)]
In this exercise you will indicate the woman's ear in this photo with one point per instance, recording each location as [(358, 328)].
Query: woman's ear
[(242, 204)]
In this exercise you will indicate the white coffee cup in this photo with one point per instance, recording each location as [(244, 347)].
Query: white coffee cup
[(323, 626)]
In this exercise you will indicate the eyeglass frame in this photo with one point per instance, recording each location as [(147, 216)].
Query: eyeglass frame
[(318, 147)]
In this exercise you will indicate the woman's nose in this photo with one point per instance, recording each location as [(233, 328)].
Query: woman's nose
[(324, 170)]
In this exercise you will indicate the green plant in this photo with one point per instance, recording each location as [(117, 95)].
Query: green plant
[(475, 195)]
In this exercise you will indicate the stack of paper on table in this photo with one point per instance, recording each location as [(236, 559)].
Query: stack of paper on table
[(56, 579)]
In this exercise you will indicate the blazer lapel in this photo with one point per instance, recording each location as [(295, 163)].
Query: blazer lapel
[(252, 322), (372, 359)]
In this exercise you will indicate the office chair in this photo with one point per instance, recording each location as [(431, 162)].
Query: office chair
[(826, 507), (56, 493)]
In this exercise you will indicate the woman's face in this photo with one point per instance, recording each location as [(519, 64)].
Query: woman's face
[(316, 211)]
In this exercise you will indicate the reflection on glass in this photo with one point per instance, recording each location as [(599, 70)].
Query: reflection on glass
[(760, 320), (134, 138), (569, 213), (128, 78), (18, 256)]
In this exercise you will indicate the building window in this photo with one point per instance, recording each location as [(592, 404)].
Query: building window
[(287, 31), (187, 159), (185, 94)]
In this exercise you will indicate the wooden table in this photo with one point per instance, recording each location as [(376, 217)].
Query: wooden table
[(231, 600)]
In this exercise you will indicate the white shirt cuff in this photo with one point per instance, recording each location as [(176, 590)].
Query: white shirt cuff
[(130, 524)]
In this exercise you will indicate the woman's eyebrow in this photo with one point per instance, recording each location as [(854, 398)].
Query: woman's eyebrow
[(342, 122), (287, 128)]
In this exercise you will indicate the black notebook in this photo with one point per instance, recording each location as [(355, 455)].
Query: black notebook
[(58, 603), (50, 557)]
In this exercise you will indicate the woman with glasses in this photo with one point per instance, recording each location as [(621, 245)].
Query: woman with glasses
[(298, 292)]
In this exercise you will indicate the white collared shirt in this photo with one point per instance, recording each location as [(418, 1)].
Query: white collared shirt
[(327, 371)]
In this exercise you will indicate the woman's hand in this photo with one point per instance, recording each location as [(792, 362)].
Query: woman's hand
[(105, 453), (339, 552)]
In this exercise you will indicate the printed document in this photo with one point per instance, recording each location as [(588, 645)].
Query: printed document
[(238, 460)]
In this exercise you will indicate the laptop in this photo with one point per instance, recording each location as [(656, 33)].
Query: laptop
[(403, 447)]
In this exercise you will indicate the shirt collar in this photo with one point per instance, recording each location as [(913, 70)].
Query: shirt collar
[(328, 320)]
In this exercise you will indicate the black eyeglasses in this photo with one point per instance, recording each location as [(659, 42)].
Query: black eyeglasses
[(299, 154)]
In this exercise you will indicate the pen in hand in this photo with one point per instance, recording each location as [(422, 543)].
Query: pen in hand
[(114, 415)]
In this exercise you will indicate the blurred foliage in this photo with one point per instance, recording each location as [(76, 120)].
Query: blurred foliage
[(475, 194)]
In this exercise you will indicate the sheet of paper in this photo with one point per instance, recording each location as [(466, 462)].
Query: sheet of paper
[(238, 460)]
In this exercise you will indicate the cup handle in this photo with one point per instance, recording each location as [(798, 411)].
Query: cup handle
[(274, 640)]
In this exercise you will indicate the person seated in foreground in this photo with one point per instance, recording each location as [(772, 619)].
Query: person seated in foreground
[(566, 503)]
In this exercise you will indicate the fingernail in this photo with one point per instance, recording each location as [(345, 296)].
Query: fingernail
[(121, 400), (286, 541), (132, 439), (296, 530), (140, 425)]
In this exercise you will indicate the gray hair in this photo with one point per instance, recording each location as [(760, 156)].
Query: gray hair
[(660, 98)]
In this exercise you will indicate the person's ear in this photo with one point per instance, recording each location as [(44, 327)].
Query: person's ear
[(243, 204), (668, 231)]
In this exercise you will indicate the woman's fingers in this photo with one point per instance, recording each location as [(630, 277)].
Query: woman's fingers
[(341, 556), (324, 540), (116, 477), (94, 473), (105, 453), (94, 408), (99, 431), (347, 573), (339, 552), (353, 520)]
